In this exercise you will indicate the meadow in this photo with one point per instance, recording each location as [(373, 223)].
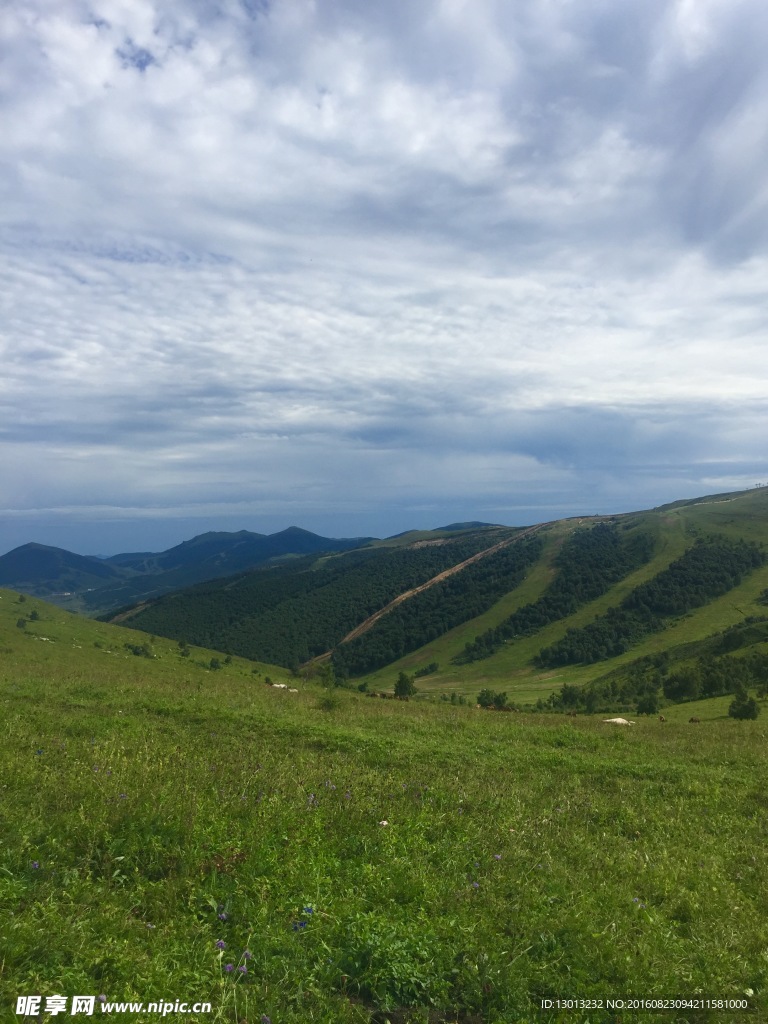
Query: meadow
[(172, 831)]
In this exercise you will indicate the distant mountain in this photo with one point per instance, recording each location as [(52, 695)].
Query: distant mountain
[(45, 570), (96, 585), (474, 525)]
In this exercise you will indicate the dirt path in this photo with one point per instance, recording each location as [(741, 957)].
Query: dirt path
[(373, 619)]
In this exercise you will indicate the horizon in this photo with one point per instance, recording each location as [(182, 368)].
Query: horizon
[(171, 534), (371, 267)]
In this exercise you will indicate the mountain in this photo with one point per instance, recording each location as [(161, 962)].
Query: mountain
[(45, 570), (576, 600), (95, 585)]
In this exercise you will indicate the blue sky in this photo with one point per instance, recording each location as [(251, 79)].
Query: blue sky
[(365, 267)]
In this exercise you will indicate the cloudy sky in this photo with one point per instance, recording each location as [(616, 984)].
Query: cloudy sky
[(363, 267)]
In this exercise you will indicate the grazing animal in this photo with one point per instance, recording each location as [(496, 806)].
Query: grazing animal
[(662, 718), (696, 720), (618, 721)]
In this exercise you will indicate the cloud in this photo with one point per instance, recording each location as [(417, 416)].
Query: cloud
[(355, 261)]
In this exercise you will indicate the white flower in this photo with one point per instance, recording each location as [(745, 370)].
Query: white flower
[(383, 822)]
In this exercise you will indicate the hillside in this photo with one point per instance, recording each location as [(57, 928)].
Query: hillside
[(96, 585), (172, 829), (569, 601)]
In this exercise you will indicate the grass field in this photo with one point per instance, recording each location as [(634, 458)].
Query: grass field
[(171, 832)]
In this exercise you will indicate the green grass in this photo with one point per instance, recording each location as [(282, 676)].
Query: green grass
[(152, 808)]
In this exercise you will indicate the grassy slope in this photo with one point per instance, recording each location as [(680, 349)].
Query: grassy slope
[(152, 808), (742, 516)]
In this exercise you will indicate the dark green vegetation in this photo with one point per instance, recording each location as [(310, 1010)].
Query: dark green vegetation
[(708, 569), (363, 860), (434, 611), (93, 585), (290, 614), (588, 564)]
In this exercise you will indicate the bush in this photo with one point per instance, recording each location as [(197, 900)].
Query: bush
[(743, 706)]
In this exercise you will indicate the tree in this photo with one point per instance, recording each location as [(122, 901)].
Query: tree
[(648, 704), (742, 705), (404, 686)]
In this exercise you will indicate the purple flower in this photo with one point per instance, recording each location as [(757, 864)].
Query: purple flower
[(308, 910), (247, 955), (223, 916), (229, 968), (35, 865), (475, 885), (265, 1019), (221, 944), (636, 899), (243, 969), (497, 856), (102, 998)]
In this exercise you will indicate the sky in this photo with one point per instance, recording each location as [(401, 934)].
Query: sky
[(363, 267)]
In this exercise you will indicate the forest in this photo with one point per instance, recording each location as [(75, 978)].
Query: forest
[(290, 614), (433, 612), (708, 569), (589, 563)]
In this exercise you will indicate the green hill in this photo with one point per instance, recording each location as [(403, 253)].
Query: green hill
[(96, 585), (518, 611)]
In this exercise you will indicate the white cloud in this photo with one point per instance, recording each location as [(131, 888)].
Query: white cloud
[(418, 255)]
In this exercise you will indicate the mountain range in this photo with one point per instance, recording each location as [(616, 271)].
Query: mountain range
[(94, 585)]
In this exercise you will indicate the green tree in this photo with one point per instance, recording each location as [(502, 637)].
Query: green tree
[(404, 686), (742, 705)]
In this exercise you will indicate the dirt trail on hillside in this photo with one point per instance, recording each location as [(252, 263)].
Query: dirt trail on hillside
[(373, 619)]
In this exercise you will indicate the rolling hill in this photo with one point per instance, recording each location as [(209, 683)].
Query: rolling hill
[(95, 585), (479, 606)]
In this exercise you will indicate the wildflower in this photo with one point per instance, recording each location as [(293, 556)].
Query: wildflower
[(497, 856), (35, 865), (385, 822), (150, 926), (298, 924), (265, 1019), (347, 795), (229, 968), (221, 944), (223, 916), (102, 998), (636, 899), (123, 796), (475, 885), (39, 751), (242, 969), (247, 955), (308, 910)]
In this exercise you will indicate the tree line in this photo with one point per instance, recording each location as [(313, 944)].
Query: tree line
[(589, 563), (430, 614), (707, 570), (288, 614)]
